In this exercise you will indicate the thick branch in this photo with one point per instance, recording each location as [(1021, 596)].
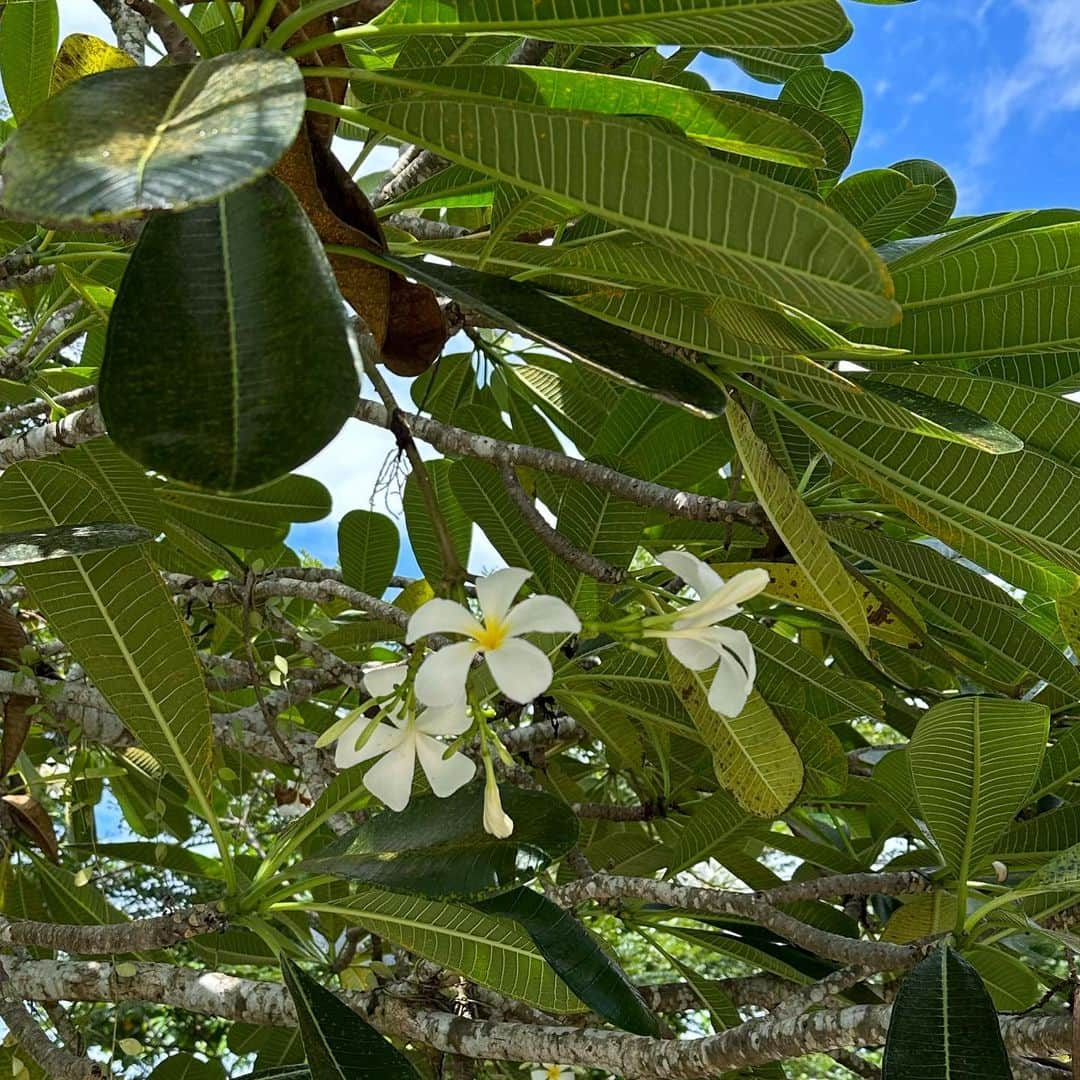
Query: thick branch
[(680, 504), (55, 1062), (756, 1042), (70, 430), (139, 935), (758, 907)]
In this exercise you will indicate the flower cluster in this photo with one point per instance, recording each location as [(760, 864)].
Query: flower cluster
[(522, 672)]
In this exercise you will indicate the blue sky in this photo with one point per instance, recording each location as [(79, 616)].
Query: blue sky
[(988, 88)]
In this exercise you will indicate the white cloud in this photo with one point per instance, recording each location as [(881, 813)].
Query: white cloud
[(1045, 80)]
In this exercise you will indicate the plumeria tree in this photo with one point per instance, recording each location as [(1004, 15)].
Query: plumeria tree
[(753, 753)]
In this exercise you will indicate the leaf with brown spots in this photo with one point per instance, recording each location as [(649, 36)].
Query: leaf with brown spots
[(28, 816)]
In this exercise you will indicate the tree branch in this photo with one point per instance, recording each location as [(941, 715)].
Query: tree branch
[(679, 504), (554, 540), (139, 935), (756, 1042), (62, 434)]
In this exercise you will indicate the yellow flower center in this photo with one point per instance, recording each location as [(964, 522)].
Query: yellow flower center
[(494, 633), (554, 1072)]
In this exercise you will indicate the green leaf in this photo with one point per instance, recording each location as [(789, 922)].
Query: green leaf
[(187, 1067), (578, 959), (1012, 985), (733, 125), (228, 284), (132, 140), (973, 762), (368, 546), (944, 1025), (880, 202), (422, 537), (19, 548), (920, 171), (834, 93), (753, 757), (783, 24), (254, 519), (29, 31), (492, 952), (798, 528), (711, 824), (114, 613), (338, 1043), (525, 309), (1007, 293), (963, 598), (981, 505), (438, 847), (766, 235)]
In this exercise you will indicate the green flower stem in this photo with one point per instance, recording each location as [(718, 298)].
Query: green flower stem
[(190, 30), (300, 18), (258, 24)]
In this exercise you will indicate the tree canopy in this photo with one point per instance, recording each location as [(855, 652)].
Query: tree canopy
[(755, 755)]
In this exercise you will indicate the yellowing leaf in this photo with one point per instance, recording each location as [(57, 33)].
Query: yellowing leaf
[(753, 757), (789, 582), (83, 54), (798, 529)]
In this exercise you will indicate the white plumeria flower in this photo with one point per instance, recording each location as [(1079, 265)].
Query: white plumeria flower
[(520, 670), (401, 742), (697, 641), (552, 1072)]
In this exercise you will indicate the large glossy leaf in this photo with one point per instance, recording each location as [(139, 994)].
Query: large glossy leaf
[(578, 959), (973, 762), (921, 171), (944, 1025), (368, 549), (766, 234), (240, 395), (796, 525), (732, 125), (114, 613), (422, 537), (753, 757), (338, 1043), (783, 24), (490, 951), (129, 141), (18, 548), (438, 847)]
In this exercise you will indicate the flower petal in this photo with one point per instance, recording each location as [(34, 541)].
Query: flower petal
[(743, 586), (692, 653), (385, 679), (701, 577), (734, 677), (542, 614), (496, 592), (444, 719), (496, 820), (383, 739), (520, 669), (390, 778), (442, 675), (439, 616), (444, 775)]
